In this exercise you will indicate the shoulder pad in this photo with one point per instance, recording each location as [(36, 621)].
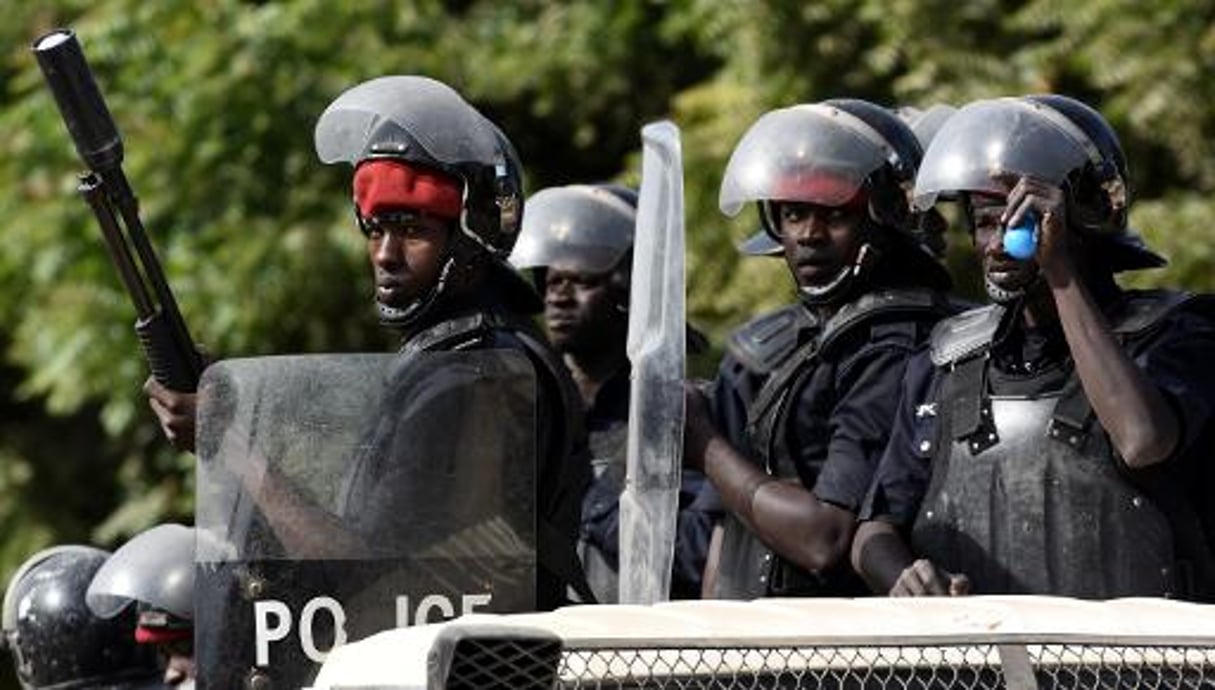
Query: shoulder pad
[(453, 334), (762, 343), (960, 336), (913, 304), (1143, 310)]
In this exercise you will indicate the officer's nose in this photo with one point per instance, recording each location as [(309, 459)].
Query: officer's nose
[(811, 230), (559, 292), (386, 251), (994, 242)]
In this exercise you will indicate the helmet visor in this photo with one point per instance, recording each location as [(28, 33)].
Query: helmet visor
[(988, 145), (812, 153), (156, 568), (577, 228), (411, 117)]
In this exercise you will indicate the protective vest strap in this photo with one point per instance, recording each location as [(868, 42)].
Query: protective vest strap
[(452, 334), (764, 343), (969, 406), (964, 335), (882, 303)]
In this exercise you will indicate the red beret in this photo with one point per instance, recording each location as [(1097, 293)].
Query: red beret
[(387, 184), (145, 635)]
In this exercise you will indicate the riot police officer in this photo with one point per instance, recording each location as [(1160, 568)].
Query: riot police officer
[(56, 642), (153, 573), (439, 196), (1054, 442), (578, 241), (804, 396), (437, 192)]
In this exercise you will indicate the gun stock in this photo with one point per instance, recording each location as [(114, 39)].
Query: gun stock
[(162, 332)]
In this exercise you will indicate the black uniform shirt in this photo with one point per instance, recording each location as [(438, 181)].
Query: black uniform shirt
[(1176, 356), (842, 412)]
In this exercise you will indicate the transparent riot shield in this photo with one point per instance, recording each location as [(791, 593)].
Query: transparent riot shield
[(341, 495)]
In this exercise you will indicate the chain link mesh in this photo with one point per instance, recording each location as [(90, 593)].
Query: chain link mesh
[(886, 667)]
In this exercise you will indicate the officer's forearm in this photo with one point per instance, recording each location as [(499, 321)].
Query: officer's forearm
[(735, 477), (305, 529), (1140, 422), (784, 515), (879, 555), (798, 526)]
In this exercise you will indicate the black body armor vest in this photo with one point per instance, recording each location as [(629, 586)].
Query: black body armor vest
[(1026, 494)]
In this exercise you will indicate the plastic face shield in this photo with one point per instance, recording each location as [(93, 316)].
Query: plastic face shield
[(155, 567), (412, 117), (577, 228), (988, 145), (812, 153)]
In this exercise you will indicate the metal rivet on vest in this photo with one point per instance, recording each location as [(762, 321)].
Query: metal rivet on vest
[(1073, 440), (763, 579), (925, 446), (767, 557), (991, 436), (255, 588), (1137, 502), (929, 514), (257, 680)]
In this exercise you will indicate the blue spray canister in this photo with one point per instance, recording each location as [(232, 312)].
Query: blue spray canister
[(1021, 240)]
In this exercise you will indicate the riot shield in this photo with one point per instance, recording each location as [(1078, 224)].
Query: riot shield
[(341, 495), (657, 344)]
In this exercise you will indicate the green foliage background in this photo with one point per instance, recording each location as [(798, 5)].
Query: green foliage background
[(216, 100)]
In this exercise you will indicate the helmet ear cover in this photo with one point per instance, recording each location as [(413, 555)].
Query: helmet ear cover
[(1096, 199), (888, 206)]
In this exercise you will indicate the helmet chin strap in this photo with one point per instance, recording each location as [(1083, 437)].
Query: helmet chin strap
[(396, 317), (843, 282), (1005, 296)]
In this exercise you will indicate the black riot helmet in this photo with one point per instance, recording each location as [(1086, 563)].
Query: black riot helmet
[(56, 642), (424, 123), (987, 145), (826, 153)]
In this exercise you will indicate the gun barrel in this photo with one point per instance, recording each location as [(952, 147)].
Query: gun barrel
[(120, 254), (80, 102), (166, 341)]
